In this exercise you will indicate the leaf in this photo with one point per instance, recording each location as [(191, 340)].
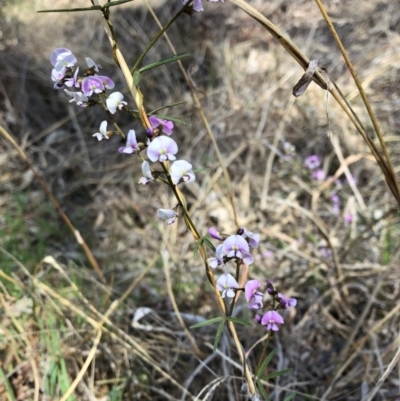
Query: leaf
[(207, 322), (306, 79), (198, 244), (275, 374), (136, 78), (218, 335), (170, 59), (167, 106), (174, 119), (266, 362), (262, 391), (239, 321), (290, 397), (209, 243), (71, 10)]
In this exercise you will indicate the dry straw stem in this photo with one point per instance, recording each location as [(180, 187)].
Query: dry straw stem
[(53, 199), (362, 93), (325, 82)]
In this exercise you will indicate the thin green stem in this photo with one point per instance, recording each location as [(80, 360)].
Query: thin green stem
[(264, 351), (159, 34)]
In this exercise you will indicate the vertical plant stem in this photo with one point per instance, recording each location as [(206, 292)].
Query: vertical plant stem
[(363, 95)]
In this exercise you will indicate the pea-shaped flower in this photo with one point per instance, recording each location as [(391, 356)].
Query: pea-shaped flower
[(168, 215), (147, 175), (253, 296), (114, 102), (165, 126), (235, 246), (103, 131), (271, 320), (162, 149), (92, 84), (131, 143), (226, 283), (62, 58), (182, 170)]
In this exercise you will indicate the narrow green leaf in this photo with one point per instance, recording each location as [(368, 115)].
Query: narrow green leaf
[(174, 119), (275, 374), (290, 397), (209, 243), (266, 362), (7, 385), (239, 321), (207, 322), (170, 59), (167, 106), (198, 245), (218, 335), (71, 10), (262, 391), (136, 78)]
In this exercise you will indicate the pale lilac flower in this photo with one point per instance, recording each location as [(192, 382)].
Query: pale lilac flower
[(181, 170), (318, 175), (107, 82), (103, 131), (235, 246), (218, 260), (267, 254), (253, 297), (348, 218), (92, 84), (80, 98), (312, 162), (70, 82), (197, 5), (271, 320), (254, 239), (226, 283), (131, 143), (114, 102), (165, 126), (57, 77), (168, 215), (286, 303), (215, 234), (147, 175), (162, 148), (90, 63), (62, 58)]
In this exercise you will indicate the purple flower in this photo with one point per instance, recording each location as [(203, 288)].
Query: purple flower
[(70, 82), (107, 82), (91, 64), (257, 318), (62, 58), (286, 303), (162, 148), (318, 175), (114, 102), (215, 234), (103, 131), (197, 6), (271, 320), (270, 288), (147, 175), (348, 218), (131, 143), (226, 283), (253, 297), (78, 97), (92, 84), (57, 77), (168, 215), (165, 126), (181, 170), (254, 239), (235, 246), (218, 260), (312, 162)]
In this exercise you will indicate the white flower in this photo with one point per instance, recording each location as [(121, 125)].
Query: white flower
[(80, 98), (103, 131), (90, 63), (114, 102), (168, 215), (147, 175), (181, 169)]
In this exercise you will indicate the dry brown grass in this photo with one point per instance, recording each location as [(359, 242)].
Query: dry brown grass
[(342, 339)]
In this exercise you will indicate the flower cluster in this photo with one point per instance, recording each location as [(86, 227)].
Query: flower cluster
[(236, 248), (65, 73)]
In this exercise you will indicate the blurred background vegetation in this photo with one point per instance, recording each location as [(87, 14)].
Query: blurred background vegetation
[(343, 336)]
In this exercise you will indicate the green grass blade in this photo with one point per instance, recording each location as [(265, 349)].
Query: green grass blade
[(170, 59), (207, 322), (218, 335), (262, 391), (267, 360)]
